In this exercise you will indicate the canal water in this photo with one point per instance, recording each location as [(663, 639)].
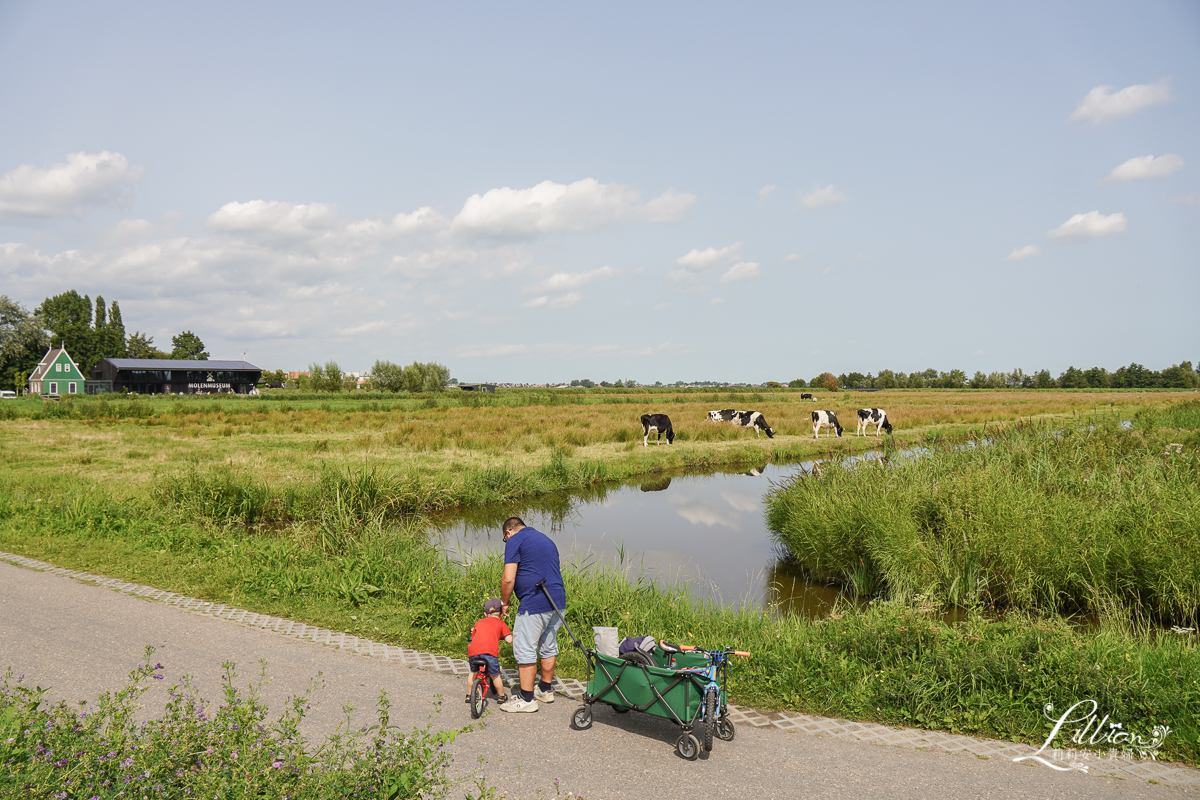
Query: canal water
[(707, 532)]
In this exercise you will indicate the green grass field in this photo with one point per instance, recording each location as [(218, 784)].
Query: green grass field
[(308, 509)]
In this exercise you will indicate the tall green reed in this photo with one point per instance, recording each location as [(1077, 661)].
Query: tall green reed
[(1031, 517)]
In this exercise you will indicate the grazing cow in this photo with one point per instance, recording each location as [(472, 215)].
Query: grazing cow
[(873, 416), (825, 419), (807, 396), (744, 419), (659, 425)]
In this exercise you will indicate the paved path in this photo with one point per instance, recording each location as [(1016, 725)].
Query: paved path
[(81, 634)]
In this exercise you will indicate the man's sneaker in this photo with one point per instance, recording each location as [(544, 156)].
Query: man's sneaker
[(518, 704), (543, 697)]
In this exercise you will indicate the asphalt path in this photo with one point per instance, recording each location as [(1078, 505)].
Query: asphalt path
[(80, 640)]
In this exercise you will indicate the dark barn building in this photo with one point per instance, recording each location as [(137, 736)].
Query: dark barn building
[(173, 376)]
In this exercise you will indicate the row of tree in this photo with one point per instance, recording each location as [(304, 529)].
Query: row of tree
[(416, 377), (385, 377), (1135, 376), (90, 332)]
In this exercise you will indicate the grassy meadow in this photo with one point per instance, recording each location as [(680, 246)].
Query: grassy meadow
[(311, 508)]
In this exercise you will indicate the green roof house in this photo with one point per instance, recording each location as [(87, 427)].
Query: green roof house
[(56, 374)]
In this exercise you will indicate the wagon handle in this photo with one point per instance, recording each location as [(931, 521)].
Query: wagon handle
[(687, 648), (542, 585)]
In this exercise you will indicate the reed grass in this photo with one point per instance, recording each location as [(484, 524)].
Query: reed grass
[(1035, 516)]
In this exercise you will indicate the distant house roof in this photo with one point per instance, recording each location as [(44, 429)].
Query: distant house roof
[(42, 370), (176, 363)]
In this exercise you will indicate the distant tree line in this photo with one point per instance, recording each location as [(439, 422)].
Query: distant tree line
[(1135, 376), (89, 331), (587, 383), (416, 377)]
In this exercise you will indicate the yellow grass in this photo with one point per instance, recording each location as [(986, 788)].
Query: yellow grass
[(292, 445)]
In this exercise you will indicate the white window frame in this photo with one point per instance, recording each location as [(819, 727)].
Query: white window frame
[(71, 388), (54, 388), (57, 367)]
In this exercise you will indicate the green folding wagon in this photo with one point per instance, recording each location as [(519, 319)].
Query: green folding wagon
[(684, 685)]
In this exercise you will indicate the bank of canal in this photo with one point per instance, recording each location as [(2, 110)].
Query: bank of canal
[(706, 531)]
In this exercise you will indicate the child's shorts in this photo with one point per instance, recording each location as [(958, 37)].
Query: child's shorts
[(493, 663)]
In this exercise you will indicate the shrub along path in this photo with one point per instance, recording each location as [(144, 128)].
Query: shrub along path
[(70, 631)]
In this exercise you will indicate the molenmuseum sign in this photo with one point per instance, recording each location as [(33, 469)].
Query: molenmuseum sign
[(210, 383)]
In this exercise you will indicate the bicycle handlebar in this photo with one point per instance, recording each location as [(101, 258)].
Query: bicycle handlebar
[(687, 648)]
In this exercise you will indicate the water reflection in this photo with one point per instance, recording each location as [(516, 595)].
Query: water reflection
[(706, 531)]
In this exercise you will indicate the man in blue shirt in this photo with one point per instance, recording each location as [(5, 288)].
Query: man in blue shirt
[(530, 557)]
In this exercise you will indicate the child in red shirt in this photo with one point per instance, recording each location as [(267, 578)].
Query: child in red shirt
[(485, 641)]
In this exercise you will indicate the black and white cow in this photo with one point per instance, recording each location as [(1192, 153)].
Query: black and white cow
[(744, 419), (825, 419), (659, 425), (873, 416), (807, 396)]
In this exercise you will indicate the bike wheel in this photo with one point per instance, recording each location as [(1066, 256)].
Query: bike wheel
[(581, 720), (687, 746), (710, 717), (478, 699), (725, 730)]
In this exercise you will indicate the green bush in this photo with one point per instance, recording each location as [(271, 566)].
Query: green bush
[(194, 750)]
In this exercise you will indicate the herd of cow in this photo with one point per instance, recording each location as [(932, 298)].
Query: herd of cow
[(660, 424)]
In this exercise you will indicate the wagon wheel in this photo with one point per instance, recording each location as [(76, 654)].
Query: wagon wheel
[(687, 746), (620, 709), (725, 730), (581, 720), (478, 701), (710, 717)]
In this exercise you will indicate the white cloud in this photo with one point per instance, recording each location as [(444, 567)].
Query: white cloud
[(1022, 253), (661, 307), (564, 281), (823, 197), (567, 300), (1102, 104), (491, 350), (430, 263), (549, 207), (1136, 169), (307, 271), (742, 271), (767, 191), (85, 181), (366, 327), (1184, 199), (273, 220), (794, 257), (697, 260), (1091, 225), (717, 301)]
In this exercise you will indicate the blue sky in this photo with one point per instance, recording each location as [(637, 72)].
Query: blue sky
[(667, 192)]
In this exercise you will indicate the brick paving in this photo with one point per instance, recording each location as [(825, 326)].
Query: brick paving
[(1179, 775)]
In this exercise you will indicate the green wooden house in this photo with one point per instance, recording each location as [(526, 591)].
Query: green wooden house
[(56, 374)]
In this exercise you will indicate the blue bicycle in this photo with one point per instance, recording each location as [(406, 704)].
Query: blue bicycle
[(714, 713)]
